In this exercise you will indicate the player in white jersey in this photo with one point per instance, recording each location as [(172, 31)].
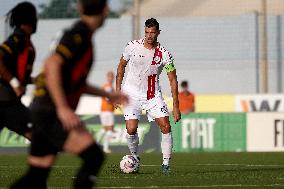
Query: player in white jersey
[(146, 59)]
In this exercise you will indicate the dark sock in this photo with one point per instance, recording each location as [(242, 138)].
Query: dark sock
[(35, 178), (93, 158)]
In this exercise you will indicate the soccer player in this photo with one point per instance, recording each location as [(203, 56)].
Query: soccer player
[(145, 59), (17, 56), (107, 115), (58, 90)]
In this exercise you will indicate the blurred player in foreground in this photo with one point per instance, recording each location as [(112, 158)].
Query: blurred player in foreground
[(146, 58), (59, 87), (107, 113), (17, 56)]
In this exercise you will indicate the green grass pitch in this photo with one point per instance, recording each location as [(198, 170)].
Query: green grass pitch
[(189, 170)]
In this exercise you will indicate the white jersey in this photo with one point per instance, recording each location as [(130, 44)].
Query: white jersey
[(144, 68)]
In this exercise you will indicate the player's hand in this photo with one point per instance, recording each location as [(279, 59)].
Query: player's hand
[(20, 91), (118, 98), (68, 118), (176, 114)]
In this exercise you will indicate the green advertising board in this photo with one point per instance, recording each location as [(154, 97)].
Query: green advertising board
[(208, 132), (149, 137), (198, 132), (11, 139), (119, 136)]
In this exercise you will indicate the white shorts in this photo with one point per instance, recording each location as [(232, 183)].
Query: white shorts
[(155, 108), (107, 118)]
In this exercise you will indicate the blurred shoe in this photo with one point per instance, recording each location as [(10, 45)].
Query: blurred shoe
[(107, 151), (165, 169), (137, 158)]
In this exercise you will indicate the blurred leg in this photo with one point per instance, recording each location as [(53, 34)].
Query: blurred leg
[(37, 174), (81, 142)]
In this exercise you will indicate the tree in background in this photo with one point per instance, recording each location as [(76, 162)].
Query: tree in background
[(59, 9), (64, 9)]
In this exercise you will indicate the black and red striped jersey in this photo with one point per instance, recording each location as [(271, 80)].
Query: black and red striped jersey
[(18, 57), (75, 47)]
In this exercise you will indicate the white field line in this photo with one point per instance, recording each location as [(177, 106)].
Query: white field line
[(221, 164), (155, 165)]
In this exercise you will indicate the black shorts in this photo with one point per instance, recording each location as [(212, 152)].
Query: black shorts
[(48, 135), (15, 116)]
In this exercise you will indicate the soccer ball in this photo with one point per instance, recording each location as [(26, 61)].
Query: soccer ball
[(129, 164)]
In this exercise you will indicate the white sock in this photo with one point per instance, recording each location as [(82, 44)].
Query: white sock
[(101, 136), (133, 141), (107, 139), (166, 145)]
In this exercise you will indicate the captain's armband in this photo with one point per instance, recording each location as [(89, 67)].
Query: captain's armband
[(170, 67)]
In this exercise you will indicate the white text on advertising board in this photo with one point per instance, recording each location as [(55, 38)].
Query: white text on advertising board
[(198, 133)]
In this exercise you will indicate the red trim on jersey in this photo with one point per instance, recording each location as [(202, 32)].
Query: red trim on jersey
[(73, 98), (82, 66), (157, 57), (151, 86), (22, 63)]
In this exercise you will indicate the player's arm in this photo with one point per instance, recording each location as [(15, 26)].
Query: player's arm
[(120, 73), (4, 73), (115, 97), (171, 72), (8, 48), (53, 69)]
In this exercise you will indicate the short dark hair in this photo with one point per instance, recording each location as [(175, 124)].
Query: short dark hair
[(22, 13), (152, 22), (93, 7), (184, 84)]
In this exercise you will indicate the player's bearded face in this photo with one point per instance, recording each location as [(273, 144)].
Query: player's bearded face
[(151, 34)]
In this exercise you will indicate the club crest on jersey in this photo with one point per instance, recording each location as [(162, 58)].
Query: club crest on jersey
[(157, 57)]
